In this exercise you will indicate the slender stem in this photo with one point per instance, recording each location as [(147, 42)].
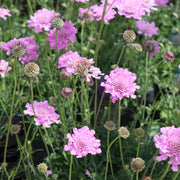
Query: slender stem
[(119, 114), (70, 169), (57, 43), (30, 7), (166, 171), (138, 146), (176, 175), (124, 46), (82, 91), (82, 36), (137, 176), (109, 109), (107, 160), (153, 168), (120, 146)]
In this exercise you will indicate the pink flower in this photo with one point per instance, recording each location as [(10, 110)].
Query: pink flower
[(66, 33), (161, 2), (4, 12), (179, 66), (29, 45), (83, 1), (4, 68), (148, 5), (168, 144), (169, 55), (48, 172), (82, 142), (42, 20), (44, 114), (88, 173), (151, 47), (120, 83), (147, 28), (86, 14), (73, 63)]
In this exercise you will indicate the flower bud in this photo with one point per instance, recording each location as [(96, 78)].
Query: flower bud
[(42, 167), (139, 132), (31, 69), (66, 92), (138, 47), (110, 126), (137, 164), (169, 56), (123, 132), (15, 128), (54, 176), (63, 76), (18, 50), (57, 22), (53, 101), (24, 99), (129, 36)]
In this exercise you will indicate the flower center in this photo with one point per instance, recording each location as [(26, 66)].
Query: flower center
[(120, 84), (174, 143)]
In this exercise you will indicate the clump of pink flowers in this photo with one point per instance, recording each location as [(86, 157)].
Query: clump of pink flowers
[(148, 29), (83, 142), (44, 114), (168, 144), (4, 12), (29, 45), (4, 68), (66, 33), (169, 55), (120, 83), (42, 20), (73, 63)]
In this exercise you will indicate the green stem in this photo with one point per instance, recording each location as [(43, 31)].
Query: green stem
[(30, 7), (119, 114), (166, 171), (70, 169), (82, 36), (137, 176), (57, 43), (107, 160), (124, 46), (82, 91), (153, 168), (176, 175), (138, 146), (120, 146)]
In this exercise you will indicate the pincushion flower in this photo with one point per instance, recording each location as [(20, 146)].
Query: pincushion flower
[(169, 55), (42, 20), (73, 63), (148, 29), (4, 12), (44, 114), (161, 2), (120, 83), (66, 33), (82, 142), (151, 47), (29, 45), (86, 14), (4, 68), (168, 144)]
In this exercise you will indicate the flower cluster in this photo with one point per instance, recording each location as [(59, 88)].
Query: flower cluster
[(29, 45), (148, 29), (73, 63), (66, 33), (4, 12), (41, 20), (44, 114), (82, 142), (120, 83), (4, 68), (168, 144)]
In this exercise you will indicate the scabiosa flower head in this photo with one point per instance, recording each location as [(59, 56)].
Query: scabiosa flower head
[(66, 92), (148, 5), (41, 20), (42, 167), (169, 55), (73, 63), (82, 142), (137, 164), (44, 114), (31, 69), (139, 132), (66, 33), (4, 68), (151, 47), (18, 50), (110, 125), (57, 22), (27, 43), (4, 12), (86, 14), (129, 36), (15, 128), (123, 132), (161, 2), (168, 144), (120, 83), (147, 28)]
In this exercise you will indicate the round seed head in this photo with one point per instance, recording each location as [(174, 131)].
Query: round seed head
[(138, 47), (31, 69), (57, 22), (123, 132), (137, 164), (53, 101), (66, 92), (139, 132), (110, 126), (129, 36), (42, 167), (15, 128), (63, 76), (18, 50), (24, 99)]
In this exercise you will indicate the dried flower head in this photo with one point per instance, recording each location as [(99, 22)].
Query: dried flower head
[(123, 132), (110, 126), (139, 132), (18, 50), (137, 164), (42, 167), (129, 36), (53, 101), (15, 128), (57, 22), (55, 176), (169, 55), (31, 69), (63, 76), (66, 92)]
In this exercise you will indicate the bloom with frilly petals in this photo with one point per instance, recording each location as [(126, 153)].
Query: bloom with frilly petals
[(161, 2), (168, 144), (86, 14), (169, 55), (73, 63), (147, 28), (120, 83), (29, 45), (66, 33), (83, 142), (4, 12), (42, 20), (44, 114), (4, 68), (151, 47)]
